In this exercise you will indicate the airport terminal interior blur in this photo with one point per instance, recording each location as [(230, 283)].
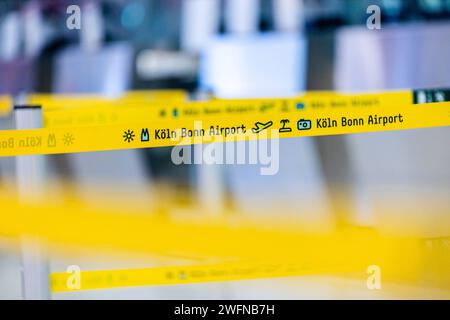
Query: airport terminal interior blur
[(385, 183)]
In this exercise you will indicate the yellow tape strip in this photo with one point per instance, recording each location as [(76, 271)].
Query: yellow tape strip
[(392, 267), (399, 260), (94, 112), (58, 101), (142, 231), (263, 244), (178, 275), (186, 132), (5, 105)]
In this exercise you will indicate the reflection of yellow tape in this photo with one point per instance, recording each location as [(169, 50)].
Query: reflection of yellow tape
[(211, 129)]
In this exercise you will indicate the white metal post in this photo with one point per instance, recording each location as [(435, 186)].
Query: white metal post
[(30, 172)]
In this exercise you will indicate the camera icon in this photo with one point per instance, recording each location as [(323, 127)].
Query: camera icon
[(304, 124)]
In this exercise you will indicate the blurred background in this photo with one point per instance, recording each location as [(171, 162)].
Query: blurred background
[(239, 49)]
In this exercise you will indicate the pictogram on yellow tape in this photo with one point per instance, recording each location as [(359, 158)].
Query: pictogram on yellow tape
[(93, 112), (211, 129), (81, 112)]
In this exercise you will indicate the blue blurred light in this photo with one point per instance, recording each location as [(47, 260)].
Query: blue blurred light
[(133, 15)]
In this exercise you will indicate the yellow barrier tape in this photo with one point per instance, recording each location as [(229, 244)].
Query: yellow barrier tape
[(62, 101), (424, 268), (158, 95), (239, 242), (185, 132), (70, 102), (176, 275), (5, 105), (215, 238), (94, 112)]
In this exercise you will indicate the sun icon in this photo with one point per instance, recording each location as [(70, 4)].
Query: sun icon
[(68, 139), (128, 136)]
